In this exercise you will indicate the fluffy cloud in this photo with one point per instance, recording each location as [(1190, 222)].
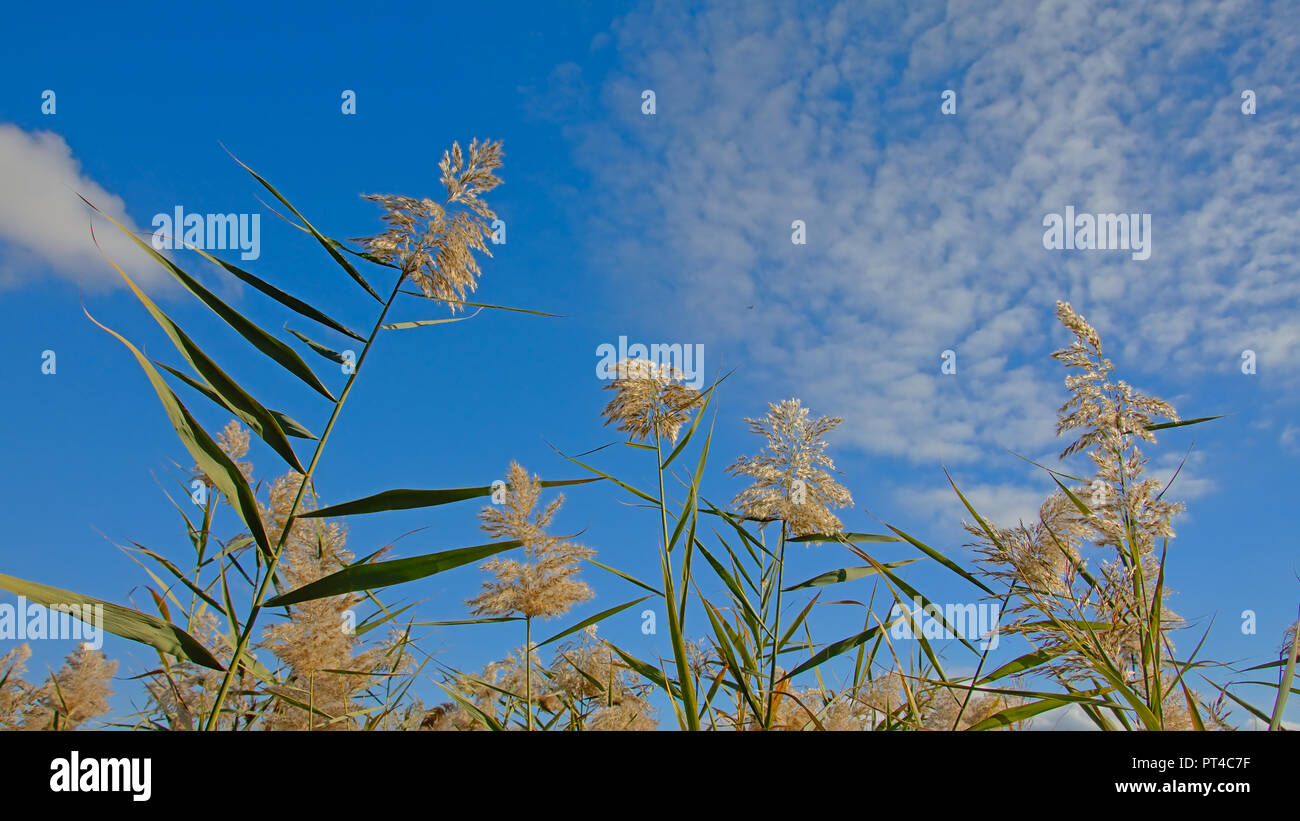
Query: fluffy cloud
[(45, 227), (924, 232), (1004, 505)]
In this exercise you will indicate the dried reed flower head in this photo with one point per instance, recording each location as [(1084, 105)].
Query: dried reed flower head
[(943, 706), (589, 669), (433, 243), (1176, 714), (233, 441), (498, 681), (75, 694), (629, 715), (846, 715), (650, 400), (792, 483), (13, 690), (1119, 604), (700, 656), (1036, 557), (315, 638), (1113, 415), (884, 694), (793, 709), (181, 694), (546, 584), (511, 675), (814, 708)]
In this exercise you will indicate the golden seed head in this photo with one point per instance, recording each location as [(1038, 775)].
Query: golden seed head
[(650, 400), (430, 243), (793, 483), (546, 584)]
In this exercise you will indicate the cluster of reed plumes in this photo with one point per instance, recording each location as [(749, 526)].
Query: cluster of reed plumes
[(1085, 584), (67, 700)]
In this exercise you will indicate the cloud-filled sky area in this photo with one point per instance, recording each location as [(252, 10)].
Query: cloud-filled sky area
[(923, 243)]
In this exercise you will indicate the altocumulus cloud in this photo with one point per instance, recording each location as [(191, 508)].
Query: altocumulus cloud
[(45, 227), (924, 231)]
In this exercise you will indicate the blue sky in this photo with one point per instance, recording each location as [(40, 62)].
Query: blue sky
[(924, 234)]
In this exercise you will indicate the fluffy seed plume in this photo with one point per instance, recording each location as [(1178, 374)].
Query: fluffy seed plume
[(650, 400), (1122, 510), (233, 440), (74, 695), (1040, 557), (1113, 416), (545, 585), (13, 690), (433, 243), (791, 479), (315, 641)]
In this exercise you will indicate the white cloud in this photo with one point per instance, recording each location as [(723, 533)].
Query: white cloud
[(1254, 723), (1290, 436), (45, 227), (924, 231), (1004, 505), (1070, 717)]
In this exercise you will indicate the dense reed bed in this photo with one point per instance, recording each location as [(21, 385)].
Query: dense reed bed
[(1085, 585)]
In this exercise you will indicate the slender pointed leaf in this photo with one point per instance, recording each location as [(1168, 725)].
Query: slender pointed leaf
[(604, 614), (385, 574), (407, 499), (120, 621), (234, 397), (207, 455), (419, 323), (288, 424), (845, 574), (260, 339), (851, 538), (328, 353), (287, 300), (834, 649), (325, 243)]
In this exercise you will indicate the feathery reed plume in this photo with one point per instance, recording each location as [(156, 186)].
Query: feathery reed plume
[(427, 241), (1129, 512), (315, 640), (180, 694), (1036, 557), (791, 486), (13, 690), (546, 584), (506, 682), (883, 695), (74, 695), (598, 687), (1126, 514), (233, 441), (1176, 713), (587, 669), (792, 709), (629, 715), (946, 709), (650, 400), (1113, 416), (792, 483)]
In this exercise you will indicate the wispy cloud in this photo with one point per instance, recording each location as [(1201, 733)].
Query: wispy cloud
[(924, 232), (45, 227)]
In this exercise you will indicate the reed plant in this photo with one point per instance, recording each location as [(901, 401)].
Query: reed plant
[(1086, 584)]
